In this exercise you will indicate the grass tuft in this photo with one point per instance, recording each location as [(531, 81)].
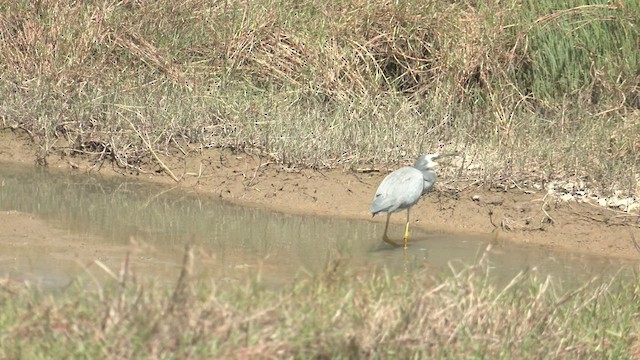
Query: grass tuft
[(335, 314)]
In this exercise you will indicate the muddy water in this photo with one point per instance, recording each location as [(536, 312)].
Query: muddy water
[(56, 227)]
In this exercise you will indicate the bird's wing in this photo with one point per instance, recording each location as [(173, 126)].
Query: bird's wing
[(399, 190)]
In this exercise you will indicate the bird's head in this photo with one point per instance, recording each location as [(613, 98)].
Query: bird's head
[(428, 161)]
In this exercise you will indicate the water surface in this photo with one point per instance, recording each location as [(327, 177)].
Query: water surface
[(83, 218)]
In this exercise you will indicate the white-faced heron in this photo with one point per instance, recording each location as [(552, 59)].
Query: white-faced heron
[(402, 189)]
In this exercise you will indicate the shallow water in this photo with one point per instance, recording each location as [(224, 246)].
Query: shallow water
[(80, 225)]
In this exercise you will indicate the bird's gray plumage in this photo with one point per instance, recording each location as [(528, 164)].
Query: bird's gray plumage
[(402, 189), (399, 190)]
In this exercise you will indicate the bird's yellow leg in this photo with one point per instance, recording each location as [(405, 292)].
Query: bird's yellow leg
[(385, 237), (406, 230)]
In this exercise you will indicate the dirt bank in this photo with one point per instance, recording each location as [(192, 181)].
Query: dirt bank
[(512, 214)]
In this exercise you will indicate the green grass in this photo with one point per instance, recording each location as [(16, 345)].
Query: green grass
[(525, 89), (463, 314), (587, 48)]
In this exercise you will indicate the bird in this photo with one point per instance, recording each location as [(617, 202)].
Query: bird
[(402, 189)]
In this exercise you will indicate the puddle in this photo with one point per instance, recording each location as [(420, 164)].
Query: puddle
[(55, 226)]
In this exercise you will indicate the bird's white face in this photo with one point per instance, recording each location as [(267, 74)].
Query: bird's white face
[(427, 161), (432, 157)]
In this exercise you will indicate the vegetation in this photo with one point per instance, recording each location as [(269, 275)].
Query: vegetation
[(525, 89), (463, 314), (320, 84)]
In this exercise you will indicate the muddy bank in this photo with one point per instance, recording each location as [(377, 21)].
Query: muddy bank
[(518, 215)]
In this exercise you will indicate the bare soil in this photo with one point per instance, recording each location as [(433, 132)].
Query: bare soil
[(511, 214)]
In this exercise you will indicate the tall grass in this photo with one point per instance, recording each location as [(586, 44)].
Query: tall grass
[(584, 51), (463, 314), (321, 84)]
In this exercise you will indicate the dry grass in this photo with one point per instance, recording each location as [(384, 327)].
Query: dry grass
[(131, 82), (462, 314)]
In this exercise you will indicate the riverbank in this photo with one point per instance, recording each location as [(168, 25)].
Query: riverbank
[(507, 213)]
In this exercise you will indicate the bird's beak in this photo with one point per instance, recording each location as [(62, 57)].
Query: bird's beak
[(447, 154)]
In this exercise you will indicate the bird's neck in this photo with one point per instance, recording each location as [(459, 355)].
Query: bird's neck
[(429, 173)]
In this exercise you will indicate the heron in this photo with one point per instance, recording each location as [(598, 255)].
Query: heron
[(402, 189)]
